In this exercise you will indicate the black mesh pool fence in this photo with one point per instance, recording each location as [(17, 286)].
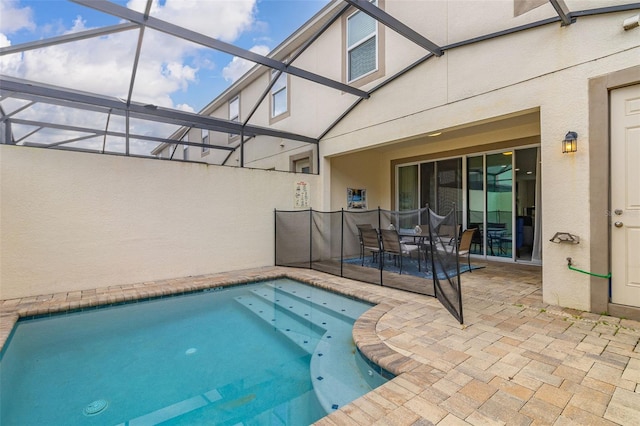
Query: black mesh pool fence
[(349, 244)]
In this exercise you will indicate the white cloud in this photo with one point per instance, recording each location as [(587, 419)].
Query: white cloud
[(104, 65), (185, 108), (238, 66), (14, 17), (222, 19)]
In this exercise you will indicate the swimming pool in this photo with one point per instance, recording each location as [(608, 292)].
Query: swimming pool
[(277, 352)]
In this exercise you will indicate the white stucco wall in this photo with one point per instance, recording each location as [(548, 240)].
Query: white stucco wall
[(72, 221)]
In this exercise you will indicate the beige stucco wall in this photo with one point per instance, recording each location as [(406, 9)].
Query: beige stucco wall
[(72, 221), (363, 170), (547, 69)]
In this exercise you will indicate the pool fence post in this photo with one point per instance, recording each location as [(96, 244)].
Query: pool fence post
[(381, 253), (310, 238), (341, 240)]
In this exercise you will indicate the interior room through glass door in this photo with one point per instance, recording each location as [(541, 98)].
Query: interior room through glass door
[(499, 201)]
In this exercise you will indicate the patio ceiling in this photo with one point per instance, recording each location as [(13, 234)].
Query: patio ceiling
[(38, 93)]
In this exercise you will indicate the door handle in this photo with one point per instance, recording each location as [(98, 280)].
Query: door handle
[(618, 224)]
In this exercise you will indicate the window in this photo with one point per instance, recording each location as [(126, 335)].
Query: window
[(362, 45), (205, 141), (279, 100), (303, 166), (234, 113), (185, 148), (302, 162)]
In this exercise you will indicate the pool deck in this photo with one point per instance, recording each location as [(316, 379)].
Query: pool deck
[(515, 361)]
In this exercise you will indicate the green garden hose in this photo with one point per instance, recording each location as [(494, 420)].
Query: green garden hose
[(586, 272)]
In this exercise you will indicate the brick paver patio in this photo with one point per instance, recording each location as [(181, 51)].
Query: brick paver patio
[(514, 361)]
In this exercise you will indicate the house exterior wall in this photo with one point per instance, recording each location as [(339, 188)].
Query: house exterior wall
[(73, 221), (544, 70), (548, 69)]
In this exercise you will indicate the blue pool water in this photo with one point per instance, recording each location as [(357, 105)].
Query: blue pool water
[(277, 352)]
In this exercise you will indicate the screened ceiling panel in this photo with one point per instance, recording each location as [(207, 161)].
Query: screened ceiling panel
[(135, 50)]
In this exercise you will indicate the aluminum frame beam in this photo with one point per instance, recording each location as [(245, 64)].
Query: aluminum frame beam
[(563, 12), (573, 15), (195, 37), (6, 117), (82, 35), (96, 132), (296, 55), (141, 111), (136, 59), (389, 21)]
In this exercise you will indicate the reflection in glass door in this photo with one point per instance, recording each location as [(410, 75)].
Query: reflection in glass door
[(527, 181), (408, 188), (499, 202), (475, 202), (441, 186)]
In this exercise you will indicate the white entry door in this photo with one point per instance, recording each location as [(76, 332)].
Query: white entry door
[(625, 196)]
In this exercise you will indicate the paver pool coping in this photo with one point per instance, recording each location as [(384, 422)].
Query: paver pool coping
[(511, 363)]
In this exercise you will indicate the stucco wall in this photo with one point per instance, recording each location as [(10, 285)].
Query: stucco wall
[(363, 170), (72, 221), (546, 69)]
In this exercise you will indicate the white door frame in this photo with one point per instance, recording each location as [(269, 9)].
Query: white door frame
[(625, 198), (599, 185)]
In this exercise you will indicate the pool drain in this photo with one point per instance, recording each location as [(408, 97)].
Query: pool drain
[(96, 407)]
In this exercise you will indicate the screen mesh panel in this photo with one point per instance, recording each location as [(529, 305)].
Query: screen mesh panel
[(349, 244), (444, 235)]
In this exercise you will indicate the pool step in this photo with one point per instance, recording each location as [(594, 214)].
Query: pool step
[(325, 301), (304, 310), (334, 373), (293, 327)]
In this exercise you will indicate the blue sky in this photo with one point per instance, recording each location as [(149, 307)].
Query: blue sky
[(175, 75)]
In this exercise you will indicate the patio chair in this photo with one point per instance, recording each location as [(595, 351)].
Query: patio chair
[(464, 249), (370, 242), (449, 232), (391, 244), (422, 235), (360, 227)]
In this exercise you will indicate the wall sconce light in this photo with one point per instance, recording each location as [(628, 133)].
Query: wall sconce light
[(570, 142)]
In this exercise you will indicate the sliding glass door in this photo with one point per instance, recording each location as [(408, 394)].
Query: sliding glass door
[(499, 199), (408, 188), (476, 202), (495, 193), (437, 184)]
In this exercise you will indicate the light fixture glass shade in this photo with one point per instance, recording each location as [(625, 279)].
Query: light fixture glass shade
[(570, 142)]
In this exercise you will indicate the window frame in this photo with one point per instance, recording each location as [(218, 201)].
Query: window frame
[(204, 138), (379, 70), (307, 155), (232, 136), (275, 118), (185, 148)]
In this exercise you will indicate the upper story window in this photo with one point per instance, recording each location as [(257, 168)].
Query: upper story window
[(205, 141), (279, 100), (234, 113), (362, 45), (185, 148)]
